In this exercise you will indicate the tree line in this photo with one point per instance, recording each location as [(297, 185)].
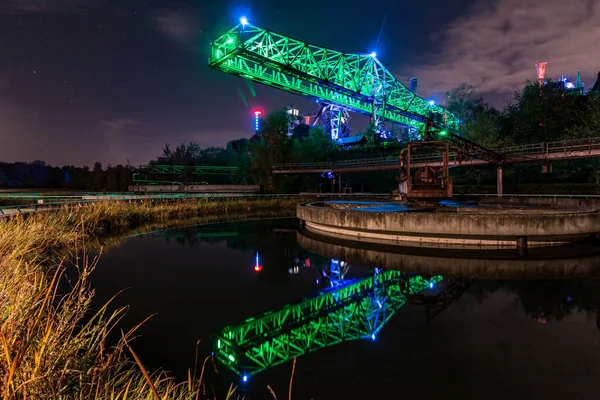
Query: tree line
[(534, 114), (39, 175)]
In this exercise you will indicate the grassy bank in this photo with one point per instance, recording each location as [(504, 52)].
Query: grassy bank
[(46, 352)]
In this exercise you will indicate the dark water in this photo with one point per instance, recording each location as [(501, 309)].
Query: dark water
[(525, 329)]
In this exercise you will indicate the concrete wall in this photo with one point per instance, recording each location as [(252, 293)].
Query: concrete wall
[(437, 227), (577, 202)]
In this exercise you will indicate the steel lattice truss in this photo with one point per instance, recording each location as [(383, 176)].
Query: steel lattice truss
[(194, 170), (354, 311), (350, 81), (357, 82), (157, 174)]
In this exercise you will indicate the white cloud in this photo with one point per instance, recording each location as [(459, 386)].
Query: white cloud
[(495, 48), (178, 26)]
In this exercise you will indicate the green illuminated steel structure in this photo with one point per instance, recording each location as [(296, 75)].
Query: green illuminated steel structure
[(348, 81), (357, 310), (168, 174)]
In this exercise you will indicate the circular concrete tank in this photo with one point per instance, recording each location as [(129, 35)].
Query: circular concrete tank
[(451, 225)]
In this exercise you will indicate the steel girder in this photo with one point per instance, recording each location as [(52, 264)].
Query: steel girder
[(358, 82), (158, 174), (194, 170), (354, 311), (354, 82)]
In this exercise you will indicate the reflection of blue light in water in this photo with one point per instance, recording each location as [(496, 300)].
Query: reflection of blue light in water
[(373, 336), (568, 298), (317, 281)]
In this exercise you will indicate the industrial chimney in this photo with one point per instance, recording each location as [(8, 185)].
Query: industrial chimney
[(540, 69), (413, 85)]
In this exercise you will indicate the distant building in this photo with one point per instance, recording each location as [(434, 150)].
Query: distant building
[(352, 141)]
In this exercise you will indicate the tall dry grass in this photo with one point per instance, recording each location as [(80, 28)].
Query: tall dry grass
[(46, 350)]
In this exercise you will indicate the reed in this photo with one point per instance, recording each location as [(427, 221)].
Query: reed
[(47, 351)]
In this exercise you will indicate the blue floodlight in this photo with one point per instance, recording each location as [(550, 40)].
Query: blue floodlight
[(245, 378), (431, 102), (373, 336), (244, 21), (373, 55)]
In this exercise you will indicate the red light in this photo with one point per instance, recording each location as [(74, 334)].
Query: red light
[(258, 268), (257, 112)]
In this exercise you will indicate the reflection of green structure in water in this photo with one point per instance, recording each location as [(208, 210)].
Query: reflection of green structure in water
[(356, 310)]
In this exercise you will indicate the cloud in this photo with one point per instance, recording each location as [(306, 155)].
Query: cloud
[(178, 26), (45, 6), (114, 131), (495, 47), (118, 124)]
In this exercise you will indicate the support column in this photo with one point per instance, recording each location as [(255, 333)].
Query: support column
[(335, 118), (522, 246), (499, 180), (333, 184), (340, 183)]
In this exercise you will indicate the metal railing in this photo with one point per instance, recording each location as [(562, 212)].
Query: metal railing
[(583, 147)]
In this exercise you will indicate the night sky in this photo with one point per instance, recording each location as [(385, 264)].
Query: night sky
[(113, 81)]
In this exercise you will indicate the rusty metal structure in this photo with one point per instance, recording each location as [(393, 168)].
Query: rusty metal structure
[(424, 180)]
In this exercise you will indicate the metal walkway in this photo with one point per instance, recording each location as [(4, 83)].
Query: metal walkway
[(540, 152)]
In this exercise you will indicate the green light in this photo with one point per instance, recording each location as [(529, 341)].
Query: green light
[(350, 80), (232, 358), (219, 343), (443, 133)]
